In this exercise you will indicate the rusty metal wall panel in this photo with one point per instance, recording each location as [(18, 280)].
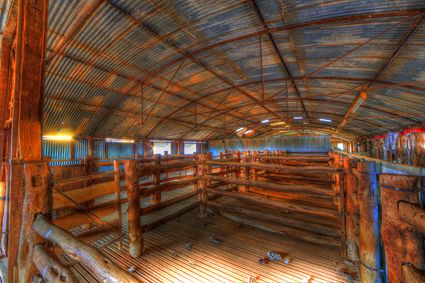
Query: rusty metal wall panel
[(289, 143)]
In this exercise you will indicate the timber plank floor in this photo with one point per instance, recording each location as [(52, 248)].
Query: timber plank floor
[(168, 259)]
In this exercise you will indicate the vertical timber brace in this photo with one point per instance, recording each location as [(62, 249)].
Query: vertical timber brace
[(369, 236), (134, 226), (21, 86)]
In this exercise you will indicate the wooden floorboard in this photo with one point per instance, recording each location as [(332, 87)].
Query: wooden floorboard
[(166, 259)]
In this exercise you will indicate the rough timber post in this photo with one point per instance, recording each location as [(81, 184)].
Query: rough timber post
[(369, 238), (35, 201), (134, 226), (244, 172), (203, 196), (156, 178), (352, 212), (117, 188), (21, 88), (402, 242)]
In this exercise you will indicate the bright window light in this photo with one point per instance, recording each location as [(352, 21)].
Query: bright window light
[(340, 146), (248, 132), (161, 148), (119, 140), (265, 121), (298, 118), (189, 147), (57, 137), (277, 124), (325, 120)]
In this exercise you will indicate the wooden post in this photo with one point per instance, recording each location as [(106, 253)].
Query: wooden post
[(412, 214), (90, 151), (203, 196), (102, 267), (145, 148), (117, 188), (244, 172), (134, 227), (209, 167), (413, 275), (195, 171), (72, 149), (35, 201), (254, 170), (179, 148), (342, 204), (352, 212), (156, 179), (266, 153), (402, 242), (21, 88), (50, 268), (370, 258)]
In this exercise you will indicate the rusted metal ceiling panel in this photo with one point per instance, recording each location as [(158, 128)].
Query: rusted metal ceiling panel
[(100, 52)]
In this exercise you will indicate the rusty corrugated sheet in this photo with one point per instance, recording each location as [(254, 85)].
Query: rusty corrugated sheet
[(200, 61)]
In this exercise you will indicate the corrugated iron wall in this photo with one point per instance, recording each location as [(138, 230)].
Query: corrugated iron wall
[(120, 149), (289, 143)]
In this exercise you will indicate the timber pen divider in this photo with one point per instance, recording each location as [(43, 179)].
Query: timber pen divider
[(360, 185), (397, 227), (155, 167)]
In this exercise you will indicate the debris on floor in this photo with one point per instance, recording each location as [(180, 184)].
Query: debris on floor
[(188, 245), (287, 260), (307, 279), (131, 269), (213, 239), (276, 255), (252, 279), (349, 276), (264, 260), (174, 253)]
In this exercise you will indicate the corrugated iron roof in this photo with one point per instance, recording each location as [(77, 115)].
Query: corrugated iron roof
[(200, 64)]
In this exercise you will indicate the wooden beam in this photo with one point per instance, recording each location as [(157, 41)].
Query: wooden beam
[(369, 237), (164, 204), (134, 227), (168, 186), (402, 242), (283, 230), (50, 268), (412, 214), (279, 204), (272, 216), (174, 215), (35, 201), (275, 167), (412, 274), (302, 189), (81, 252)]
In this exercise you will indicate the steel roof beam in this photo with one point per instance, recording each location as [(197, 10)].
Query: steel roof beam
[(335, 20), (385, 66), (279, 55), (190, 57), (134, 79)]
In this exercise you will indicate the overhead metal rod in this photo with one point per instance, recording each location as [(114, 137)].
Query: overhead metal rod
[(335, 20), (348, 115), (183, 52), (136, 80), (279, 55)]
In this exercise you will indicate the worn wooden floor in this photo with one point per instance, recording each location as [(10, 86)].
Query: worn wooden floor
[(167, 259)]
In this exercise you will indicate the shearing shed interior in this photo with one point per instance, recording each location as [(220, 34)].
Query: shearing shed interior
[(212, 141)]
